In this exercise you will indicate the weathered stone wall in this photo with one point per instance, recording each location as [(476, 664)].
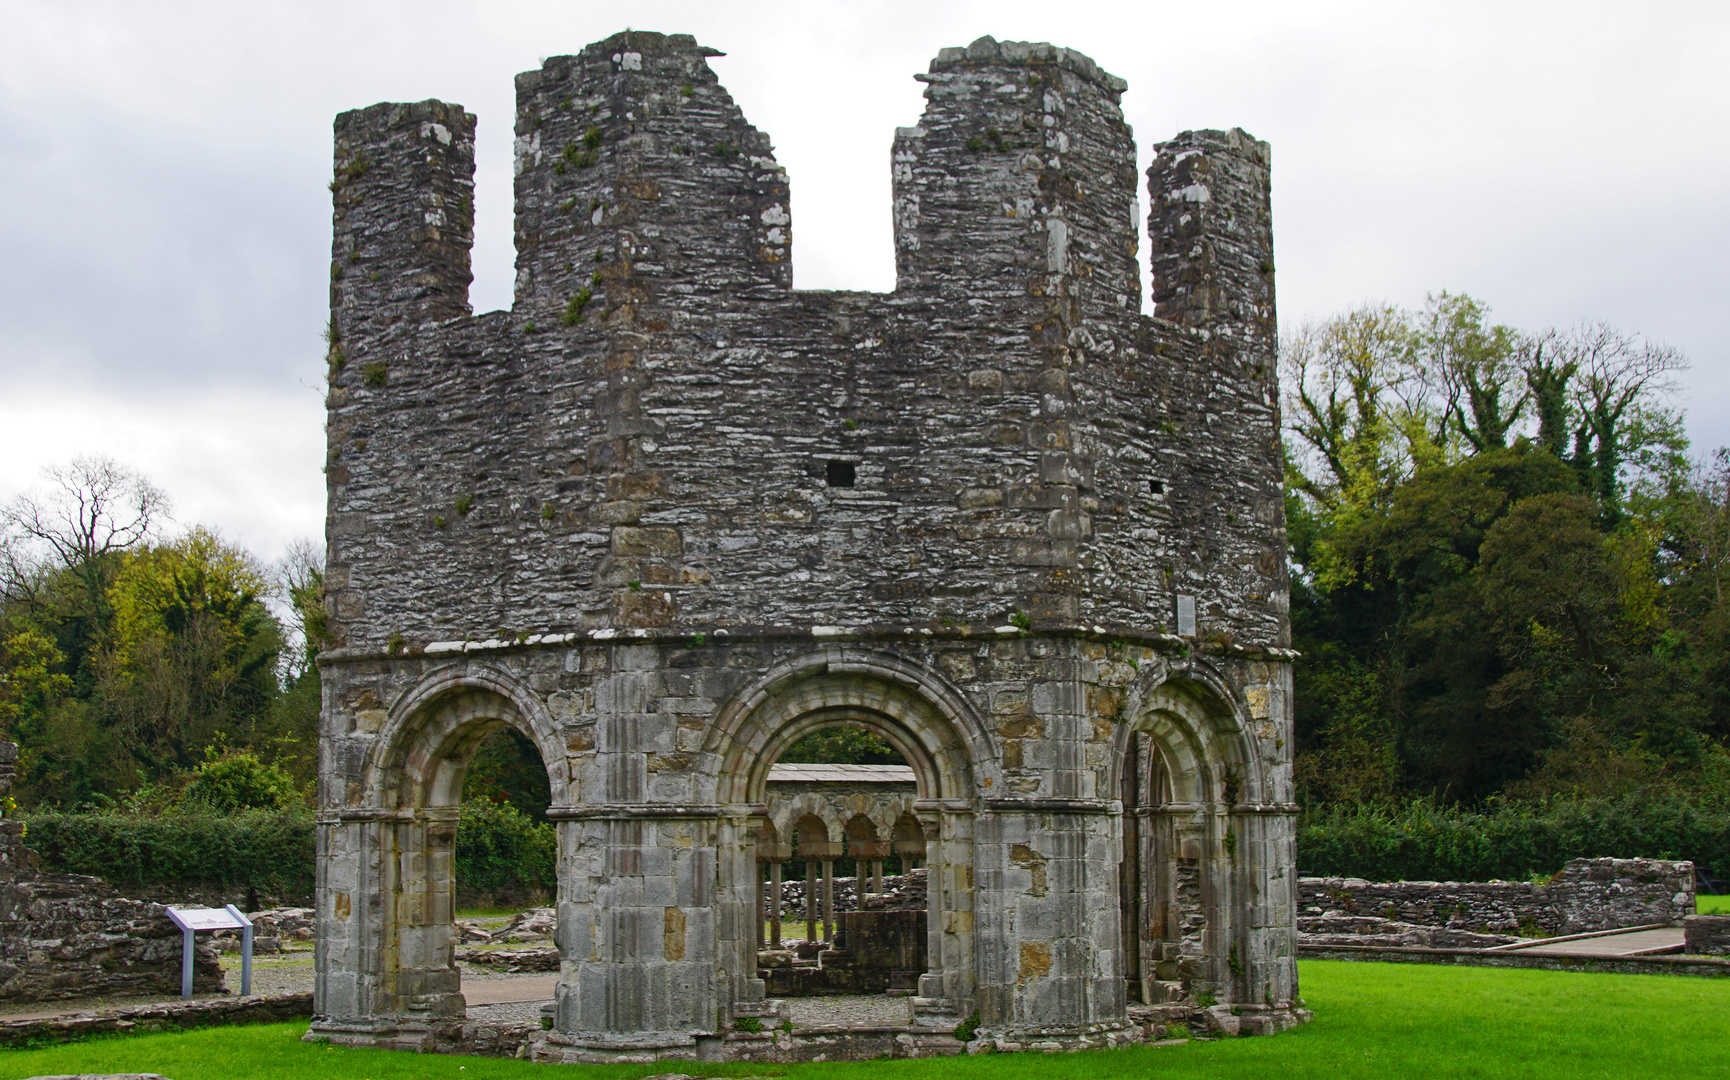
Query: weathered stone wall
[(1588, 895), (68, 935), (666, 515), (1707, 935), (662, 459), (172, 1016)]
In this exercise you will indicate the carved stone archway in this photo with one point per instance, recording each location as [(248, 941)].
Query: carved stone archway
[(387, 857), (930, 724)]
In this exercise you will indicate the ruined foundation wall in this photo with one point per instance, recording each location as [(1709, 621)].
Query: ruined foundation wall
[(69, 935), (1588, 895)]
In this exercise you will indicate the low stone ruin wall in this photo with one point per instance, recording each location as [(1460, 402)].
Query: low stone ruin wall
[(173, 1016), (1588, 895), (68, 935), (1706, 935)]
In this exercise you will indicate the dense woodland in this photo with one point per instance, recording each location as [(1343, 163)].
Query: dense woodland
[(1508, 573), (1508, 584)]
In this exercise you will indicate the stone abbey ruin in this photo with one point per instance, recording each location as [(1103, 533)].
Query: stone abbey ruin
[(666, 516)]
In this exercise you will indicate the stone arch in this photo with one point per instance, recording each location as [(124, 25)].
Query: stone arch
[(809, 829), (411, 788), (907, 838), (421, 753), (914, 709), (1182, 766), (1198, 723), (936, 732)]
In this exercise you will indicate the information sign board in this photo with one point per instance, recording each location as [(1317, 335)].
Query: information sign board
[(192, 920), (206, 919)]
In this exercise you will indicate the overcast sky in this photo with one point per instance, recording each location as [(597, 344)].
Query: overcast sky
[(165, 227)]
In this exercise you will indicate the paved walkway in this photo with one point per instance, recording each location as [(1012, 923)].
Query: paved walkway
[(1637, 941), (509, 989)]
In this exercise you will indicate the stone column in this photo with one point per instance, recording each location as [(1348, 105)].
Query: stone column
[(1050, 964), (1265, 911), (811, 915), (775, 904), (828, 900), (384, 960), (642, 928), (947, 989)]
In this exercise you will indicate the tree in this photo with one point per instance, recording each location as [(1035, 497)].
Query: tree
[(193, 652), (1347, 403), (1481, 603), (94, 509), (1475, 368), (238, 780), (300, 576), (1618, 388), (844, 744)]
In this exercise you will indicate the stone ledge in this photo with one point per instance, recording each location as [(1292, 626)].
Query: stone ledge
[(260, 1009), (757, 633), (1708, 966)]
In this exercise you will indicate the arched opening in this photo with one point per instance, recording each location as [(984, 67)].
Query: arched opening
[(816, 852), (908, 712), (506, 854), (840, 789), (1180, 774), (460, 734), (907, 841)]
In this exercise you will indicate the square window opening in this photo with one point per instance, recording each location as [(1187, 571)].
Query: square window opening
[(840, 473)]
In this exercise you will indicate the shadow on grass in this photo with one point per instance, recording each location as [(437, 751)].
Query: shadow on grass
[(1372, 1020)]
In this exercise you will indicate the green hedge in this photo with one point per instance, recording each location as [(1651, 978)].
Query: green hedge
[(269, 850), (502, 856), (505, 857), (1510, 841)]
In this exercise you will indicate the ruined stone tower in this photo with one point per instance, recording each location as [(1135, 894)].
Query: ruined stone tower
[(666, 515)]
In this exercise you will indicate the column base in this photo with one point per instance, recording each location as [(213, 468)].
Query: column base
[(1057, 1038), (561, 1048), (381, 1034)]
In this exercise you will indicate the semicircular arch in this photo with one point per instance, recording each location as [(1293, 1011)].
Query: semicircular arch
[(1196, 723), (914, 709), (422, 750)]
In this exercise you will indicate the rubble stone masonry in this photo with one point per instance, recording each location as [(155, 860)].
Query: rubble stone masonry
[(666, 515)]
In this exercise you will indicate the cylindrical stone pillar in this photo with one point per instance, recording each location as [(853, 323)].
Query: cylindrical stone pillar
[(775, 905), (828, 900), (810, 900)]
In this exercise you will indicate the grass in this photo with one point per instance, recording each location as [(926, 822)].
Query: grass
[(1712, 905), (1372, 1020)]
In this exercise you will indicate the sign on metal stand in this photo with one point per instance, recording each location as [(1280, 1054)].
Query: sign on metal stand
[(192, 920)]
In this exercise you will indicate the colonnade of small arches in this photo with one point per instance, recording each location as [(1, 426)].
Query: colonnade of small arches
[(1184, 802), (820, 814)]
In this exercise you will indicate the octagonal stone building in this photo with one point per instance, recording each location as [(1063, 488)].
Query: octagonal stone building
[(666, 515)]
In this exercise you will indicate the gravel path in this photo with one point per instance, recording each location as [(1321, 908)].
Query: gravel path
[(528, 1012), (291, 972), (851, 1010)]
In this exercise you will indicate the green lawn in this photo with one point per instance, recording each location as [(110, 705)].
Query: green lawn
[(1712, 905), (1372, 1020)]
